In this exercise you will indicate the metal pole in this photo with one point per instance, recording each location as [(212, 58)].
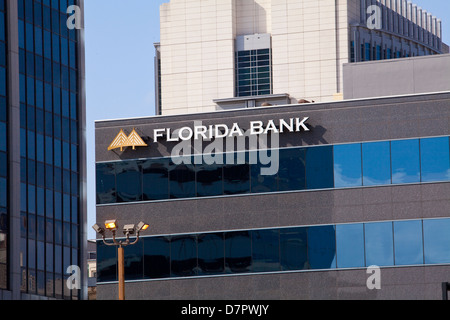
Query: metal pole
[(121, 262)]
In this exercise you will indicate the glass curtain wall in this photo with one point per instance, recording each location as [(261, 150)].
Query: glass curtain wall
[(49, 136), (304, 168), (327, 247), (3, 150)]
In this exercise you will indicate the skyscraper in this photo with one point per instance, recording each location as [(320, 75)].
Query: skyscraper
[(43, 166), (218, 55)]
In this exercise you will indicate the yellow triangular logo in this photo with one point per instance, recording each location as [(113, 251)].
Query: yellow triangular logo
[(122, 141)]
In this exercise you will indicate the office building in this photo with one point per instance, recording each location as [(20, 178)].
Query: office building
[(43, 150), (219, 55), (358, 183)]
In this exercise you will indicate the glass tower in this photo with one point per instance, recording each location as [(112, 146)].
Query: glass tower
[(3, 153), (49, 200)]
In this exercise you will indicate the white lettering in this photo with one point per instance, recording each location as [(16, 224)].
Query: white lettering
[(256, 127), (187, 137), (301, 124), (158, 133)]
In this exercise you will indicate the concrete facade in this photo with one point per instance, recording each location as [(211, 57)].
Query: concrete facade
[(403, 117), (310, 42), (397, 77)]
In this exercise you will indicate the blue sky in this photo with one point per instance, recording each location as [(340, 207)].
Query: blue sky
[(119, 64)]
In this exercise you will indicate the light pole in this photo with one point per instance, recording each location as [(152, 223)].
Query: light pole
[(129, 229)]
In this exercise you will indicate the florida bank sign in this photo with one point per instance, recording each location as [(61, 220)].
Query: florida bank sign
[(221, 131), (219, 143)]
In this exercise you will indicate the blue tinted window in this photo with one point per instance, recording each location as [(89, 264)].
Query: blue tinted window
[(134, 267), (106, 183), (38, 40), (2, 26), (182, 180), (291, 174), (3, 136), (376, 163), (436, 235), (156, 257), (3, 193), (408, 242), (261, 182), (379, 244), (322, 247), (3, 112), (2, 81), (209, 180), (435, 159), (293, 249), (128, 181), (29, 40), (347, 165), (319, 167), (155, 179), (183, 256), (238, 252), (266, 250), (236, 177), (350, 245), (405, 161), (3, 164), (2, 54), (106, 263), (211, 258)]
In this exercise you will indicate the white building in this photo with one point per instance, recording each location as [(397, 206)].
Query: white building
[(221, 54)]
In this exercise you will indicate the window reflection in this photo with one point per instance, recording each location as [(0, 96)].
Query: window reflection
[(128, 180), (265, 250), (261, 183), (134, 261), (350, 245), (323, 167), (106, 183), (405, 161), (106, 262), (436, 234), (236, 177), (293, 249), (272, 250), (319, 167), (238, 252), (379, 244), (435, 159), (376, 163), (156, 257), (322, 247), (211, 258), (183, 256), (182, 180), (291, 173), (347, 166), (209, 180), (408, 242), (155, 179)]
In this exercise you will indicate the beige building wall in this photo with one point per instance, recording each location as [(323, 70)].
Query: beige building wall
[(198, 41), (310, 41)]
